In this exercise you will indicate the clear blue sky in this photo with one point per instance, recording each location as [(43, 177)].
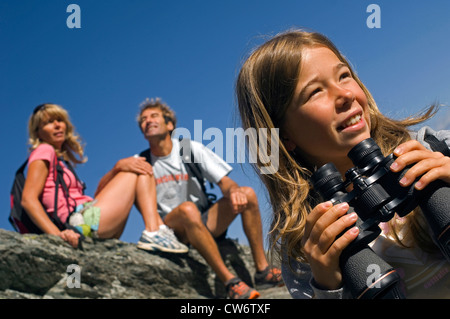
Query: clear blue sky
[(188, 53)]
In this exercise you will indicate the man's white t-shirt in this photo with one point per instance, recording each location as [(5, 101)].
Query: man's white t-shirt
[(173, 183)]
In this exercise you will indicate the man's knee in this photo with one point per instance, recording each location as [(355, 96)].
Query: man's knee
[(146, 178), (252, 199), (189, 211)]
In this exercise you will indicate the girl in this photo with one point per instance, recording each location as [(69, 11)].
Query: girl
[(300, 83), (52, 137)]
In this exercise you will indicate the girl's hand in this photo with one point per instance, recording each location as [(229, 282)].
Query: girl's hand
[(70, 236), (322, 249), (431, 165)]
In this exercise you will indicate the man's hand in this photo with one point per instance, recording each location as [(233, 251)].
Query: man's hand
[(134, 164), (238, 199)]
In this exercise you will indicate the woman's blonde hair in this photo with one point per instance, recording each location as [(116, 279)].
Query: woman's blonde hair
[(265, 88), (72, 149)]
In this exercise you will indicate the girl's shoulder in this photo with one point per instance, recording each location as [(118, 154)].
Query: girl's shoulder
[(423, 134)]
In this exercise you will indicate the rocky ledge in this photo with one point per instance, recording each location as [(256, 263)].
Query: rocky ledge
[(44, 266)]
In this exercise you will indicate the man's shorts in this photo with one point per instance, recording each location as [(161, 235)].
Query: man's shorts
[(205, 219)]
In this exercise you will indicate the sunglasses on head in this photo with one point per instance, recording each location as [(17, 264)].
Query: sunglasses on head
[(39, 107)]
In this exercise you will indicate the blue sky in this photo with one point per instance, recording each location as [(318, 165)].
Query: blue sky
[(189, 53)]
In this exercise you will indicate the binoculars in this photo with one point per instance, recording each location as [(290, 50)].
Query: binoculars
[(376, 197)]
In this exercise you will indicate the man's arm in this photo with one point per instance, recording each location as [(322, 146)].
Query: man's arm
[(231, 190)]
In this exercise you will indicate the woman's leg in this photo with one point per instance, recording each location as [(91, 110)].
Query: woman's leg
[(115, 201), (117, 198)]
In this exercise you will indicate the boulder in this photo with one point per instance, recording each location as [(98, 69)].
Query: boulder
[(44, 266)]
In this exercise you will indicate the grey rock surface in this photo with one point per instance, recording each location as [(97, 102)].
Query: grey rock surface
[(44, 266)]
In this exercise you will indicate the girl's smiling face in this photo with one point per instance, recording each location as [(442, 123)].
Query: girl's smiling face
[(329, 113)]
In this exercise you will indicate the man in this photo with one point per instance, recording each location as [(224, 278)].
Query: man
[(184, 207)]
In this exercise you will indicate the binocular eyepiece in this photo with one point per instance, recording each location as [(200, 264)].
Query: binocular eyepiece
[(376, 197)]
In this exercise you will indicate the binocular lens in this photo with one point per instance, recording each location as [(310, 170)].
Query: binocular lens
[(327, 180), (366, 153)]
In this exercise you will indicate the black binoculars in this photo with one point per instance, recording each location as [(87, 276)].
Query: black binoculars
[(376, 196)]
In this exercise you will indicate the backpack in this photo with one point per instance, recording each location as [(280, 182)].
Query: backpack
[(192, 167), (18, 217)]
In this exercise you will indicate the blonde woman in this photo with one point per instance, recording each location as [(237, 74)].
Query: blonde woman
[(52, 138), (300, 83)]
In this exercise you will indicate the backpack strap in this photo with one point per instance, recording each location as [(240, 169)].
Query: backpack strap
[(187, 157), (60, 181), (147, 155), (437, 145), (58, 175), (21, 169), (70, 167)]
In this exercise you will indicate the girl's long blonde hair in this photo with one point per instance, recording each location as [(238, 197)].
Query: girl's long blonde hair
[(72, 150), (265, 88)]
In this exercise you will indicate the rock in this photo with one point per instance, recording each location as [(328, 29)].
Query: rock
[(44, 266)]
